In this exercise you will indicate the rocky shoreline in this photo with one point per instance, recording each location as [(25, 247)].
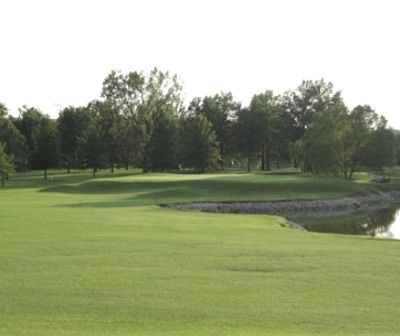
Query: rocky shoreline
[(300, 208)]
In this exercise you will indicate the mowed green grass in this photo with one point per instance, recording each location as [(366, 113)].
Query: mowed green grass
[(99, 257)]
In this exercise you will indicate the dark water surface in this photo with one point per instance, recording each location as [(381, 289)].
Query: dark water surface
[(381, 223)]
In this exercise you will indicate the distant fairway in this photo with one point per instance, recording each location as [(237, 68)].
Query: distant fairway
[(82, 256)]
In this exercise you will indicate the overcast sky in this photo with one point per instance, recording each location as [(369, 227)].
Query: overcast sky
[(56, 53)]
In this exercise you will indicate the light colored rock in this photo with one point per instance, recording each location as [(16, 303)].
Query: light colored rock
[(300, 208)]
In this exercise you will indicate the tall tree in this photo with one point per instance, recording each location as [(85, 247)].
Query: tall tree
[(271, 114), (363, 120), (46, 145), (162, 97), (221, 110), (92, 147), (16, 146), (304, 102), (3, 110), (127, 94), (199, 144), (6, 167), (381, 149), (164, 143), (250, 133), (71, 122), (27, 122)]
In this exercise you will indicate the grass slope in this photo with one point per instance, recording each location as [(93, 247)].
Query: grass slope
[(97, 257)]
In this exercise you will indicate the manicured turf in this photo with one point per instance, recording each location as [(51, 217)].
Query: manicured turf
[(99, 257)]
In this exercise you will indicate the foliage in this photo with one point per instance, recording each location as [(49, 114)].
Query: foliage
[(92, 147), (342, 142), (27, 122), (46, 145), (381, 149), (141, 119), (71, 123), (221, 111), (16, 146), (6, 166), (250, 133), (199, 144)]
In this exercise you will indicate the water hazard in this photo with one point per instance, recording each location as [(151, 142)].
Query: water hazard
[(380, 223)]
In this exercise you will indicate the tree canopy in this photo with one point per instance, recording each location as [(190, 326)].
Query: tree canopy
[(140, 120)]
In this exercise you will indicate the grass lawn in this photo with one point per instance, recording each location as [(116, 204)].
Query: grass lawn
[(99, 257)]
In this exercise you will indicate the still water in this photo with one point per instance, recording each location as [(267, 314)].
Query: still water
[(381, 223)]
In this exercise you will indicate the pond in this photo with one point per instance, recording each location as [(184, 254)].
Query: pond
[(381, 223)]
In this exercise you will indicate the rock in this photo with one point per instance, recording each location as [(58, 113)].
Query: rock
[(299, 208)]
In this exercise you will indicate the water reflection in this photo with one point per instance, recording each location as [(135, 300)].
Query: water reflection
[(380, 223)]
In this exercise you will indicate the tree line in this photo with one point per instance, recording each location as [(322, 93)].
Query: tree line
[(140, 120)]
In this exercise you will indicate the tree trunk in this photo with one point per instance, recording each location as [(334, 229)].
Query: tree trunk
[(249, 164), (262, 157), (222, 157), (45, 173), (94, 172), (2, 180), (268, 158)]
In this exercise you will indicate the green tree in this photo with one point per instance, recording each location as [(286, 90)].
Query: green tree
[(274, 118), (304, 102), (71, 122), (250, 133), (164, 143), (381, 149), (16, 146), (162, 99), (200, 148), (6, 167), (363, 120), (127, 94), (27, 122), (220, 110), (3, 111), (46, 145), (92, 147)]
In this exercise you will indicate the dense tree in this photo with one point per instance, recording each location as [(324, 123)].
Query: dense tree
[(27, 122), (71, 122), (6, 167), (127, 94), (304, 102), (199, 144), (322, 148), (162, 98), (272, 115), (92, 147), (381, 149), (140, 119), (250, 133), (363, 120), (13, 139), (164, 142), (3, 110), (46, 145), (220, 110), (397, 140), (343, 142)]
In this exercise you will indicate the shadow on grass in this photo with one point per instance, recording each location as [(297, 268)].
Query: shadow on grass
[(222, 188)]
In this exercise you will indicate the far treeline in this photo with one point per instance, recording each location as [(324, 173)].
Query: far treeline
[(141, 121)]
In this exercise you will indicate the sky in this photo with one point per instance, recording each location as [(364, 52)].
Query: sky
[(56, 53)]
